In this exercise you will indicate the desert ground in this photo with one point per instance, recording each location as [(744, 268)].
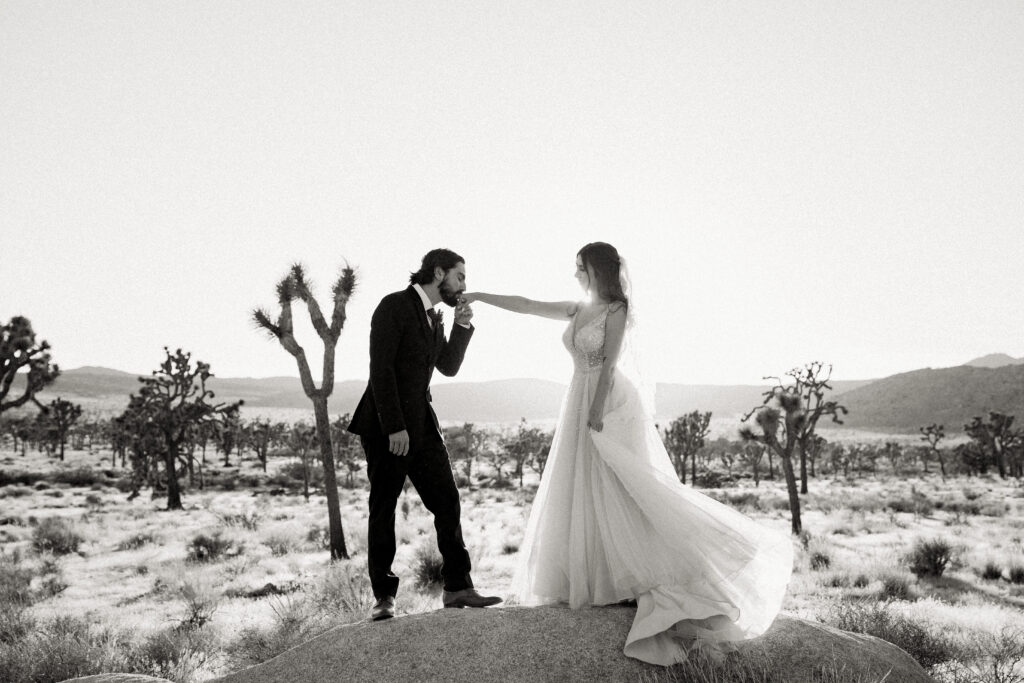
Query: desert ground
[(240, 575)]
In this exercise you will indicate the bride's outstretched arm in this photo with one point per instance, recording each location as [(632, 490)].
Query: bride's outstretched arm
[(557, 310), (615, 330)]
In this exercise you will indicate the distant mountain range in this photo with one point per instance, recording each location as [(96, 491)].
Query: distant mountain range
[(899, 403)]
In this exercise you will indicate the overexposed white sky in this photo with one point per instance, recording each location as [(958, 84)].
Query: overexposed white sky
[(793, 181)]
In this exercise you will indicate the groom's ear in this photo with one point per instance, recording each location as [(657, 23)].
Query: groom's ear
[(439, 274)]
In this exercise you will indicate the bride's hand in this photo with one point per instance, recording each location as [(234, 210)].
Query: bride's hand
[(595, 420), (468, 297)]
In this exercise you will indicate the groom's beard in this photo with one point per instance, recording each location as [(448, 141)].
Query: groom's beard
[(448, 295)]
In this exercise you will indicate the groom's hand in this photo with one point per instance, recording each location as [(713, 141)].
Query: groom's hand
[(463, 314), (398, 443)]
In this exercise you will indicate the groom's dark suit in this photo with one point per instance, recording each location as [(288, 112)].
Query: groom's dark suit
[(404, 350)]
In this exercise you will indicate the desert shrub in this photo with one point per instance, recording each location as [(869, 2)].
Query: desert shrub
[(916, 503), (294, 623), (249, 519), (882, 621), (712, 479), (427, 567), (991, 571), (805, 539), (989, 658), (861, 581), (1016, 573), (10, 477), (837, 580), (280, 543), (895, 587), (136, 541), (820, 560), (200, 604), (972, 494), (343, 589), (15, 491), (57, 536), (174, 653), (964, 507), (509, 548), (319, 536), (15, 580), (208, 547), (746, 500), (290, 474), (865, 503), (81, 476), (930, 558), (65, 647), (994, 509)]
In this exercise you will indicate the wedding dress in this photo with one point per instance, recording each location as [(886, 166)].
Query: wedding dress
[(611, 522)]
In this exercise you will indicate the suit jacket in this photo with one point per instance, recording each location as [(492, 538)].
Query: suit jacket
[(404, 350)]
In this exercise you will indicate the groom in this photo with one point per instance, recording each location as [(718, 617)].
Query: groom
[(399, 430)]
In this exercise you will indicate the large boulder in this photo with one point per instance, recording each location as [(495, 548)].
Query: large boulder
[(553, 643)]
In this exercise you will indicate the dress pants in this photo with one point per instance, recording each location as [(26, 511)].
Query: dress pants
[(428, 468)]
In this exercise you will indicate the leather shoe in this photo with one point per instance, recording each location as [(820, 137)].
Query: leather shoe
[(468, 597), (383, 609)]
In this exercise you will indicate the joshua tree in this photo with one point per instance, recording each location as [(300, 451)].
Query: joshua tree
[(61, 415), (294, 286), (262, 435), (894, 453), (18, 350), (301, 438), (171, 405), (751, 455), (523, 445), (465, 444), (683, 438), (778, 427), (995, 437)]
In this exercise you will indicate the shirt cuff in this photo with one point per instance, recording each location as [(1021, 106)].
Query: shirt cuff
[(466, 325)]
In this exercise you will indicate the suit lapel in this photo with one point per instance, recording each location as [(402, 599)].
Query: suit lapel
[(421, 313)]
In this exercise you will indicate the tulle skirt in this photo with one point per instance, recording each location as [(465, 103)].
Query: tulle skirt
[(611, 522)]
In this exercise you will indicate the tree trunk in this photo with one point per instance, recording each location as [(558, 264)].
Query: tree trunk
[(173, 492), (323, 430), (803, 470), (794, 497), (693, 468), (771, 466)]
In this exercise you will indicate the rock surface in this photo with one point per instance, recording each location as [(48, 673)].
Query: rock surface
[(552, 643)]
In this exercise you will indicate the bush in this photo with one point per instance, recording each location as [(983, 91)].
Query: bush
[(136, 541), (280, 544), (427, 567), (712, 479), (249, 519), (208, 548), (930, 558), (820, 560), (175, 653), (992, 571), (16, 491), (57, 536), (895, 587), (15, 580), (881, 621), (320, 537), (1016, 573), (65, 647), (861, 581), (82, 476)]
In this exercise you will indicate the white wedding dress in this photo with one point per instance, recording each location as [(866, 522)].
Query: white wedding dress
[(611, 522)]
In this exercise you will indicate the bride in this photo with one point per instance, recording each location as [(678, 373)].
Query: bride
[(611, 522)]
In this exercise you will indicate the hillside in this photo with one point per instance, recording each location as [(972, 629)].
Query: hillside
[(106, 391), (994, 360), (949, 396)]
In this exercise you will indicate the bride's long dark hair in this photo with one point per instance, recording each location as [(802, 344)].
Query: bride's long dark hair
[(604, 259)]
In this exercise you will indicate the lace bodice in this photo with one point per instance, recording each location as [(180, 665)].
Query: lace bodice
[(586, 342)]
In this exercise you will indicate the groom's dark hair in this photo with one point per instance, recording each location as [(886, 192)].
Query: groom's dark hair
[(444, 259)]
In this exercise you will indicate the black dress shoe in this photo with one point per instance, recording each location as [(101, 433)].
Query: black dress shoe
[(383, 609), (468, 597)]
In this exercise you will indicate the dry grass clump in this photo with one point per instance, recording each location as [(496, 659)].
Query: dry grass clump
[(136, 541), (881, 621), (57, 536), (427, 567), (895, 587), (211, 547), (341, 596)]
